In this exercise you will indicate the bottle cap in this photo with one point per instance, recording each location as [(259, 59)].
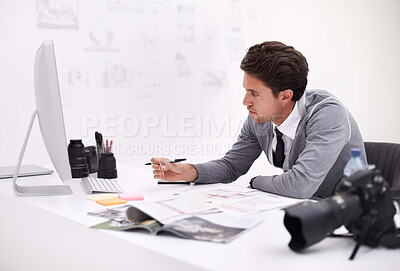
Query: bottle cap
[(355, 153)]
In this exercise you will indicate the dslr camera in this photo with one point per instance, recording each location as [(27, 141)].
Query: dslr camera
[(362, 203)]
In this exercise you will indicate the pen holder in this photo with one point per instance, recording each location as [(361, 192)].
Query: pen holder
[(77, 159), (107, 166)]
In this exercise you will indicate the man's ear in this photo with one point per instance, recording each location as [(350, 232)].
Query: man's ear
[(285, 96)]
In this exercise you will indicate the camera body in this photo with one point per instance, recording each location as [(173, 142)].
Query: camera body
[(362, 203), (376, 202)]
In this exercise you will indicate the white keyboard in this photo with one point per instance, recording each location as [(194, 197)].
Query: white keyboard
[(91, 185)]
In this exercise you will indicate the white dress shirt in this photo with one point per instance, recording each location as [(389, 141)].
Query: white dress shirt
[(289, 126)]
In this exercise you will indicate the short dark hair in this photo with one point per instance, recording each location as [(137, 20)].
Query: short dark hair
[(279, 66)]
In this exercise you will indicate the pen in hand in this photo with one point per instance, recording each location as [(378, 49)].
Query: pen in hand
[(167, 161)]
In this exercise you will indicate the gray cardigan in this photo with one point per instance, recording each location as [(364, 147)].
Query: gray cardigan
[(320, 150)]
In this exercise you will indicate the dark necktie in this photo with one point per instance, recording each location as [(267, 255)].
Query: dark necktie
[(279, 154)]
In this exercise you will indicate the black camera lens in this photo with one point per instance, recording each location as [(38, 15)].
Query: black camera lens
[(107, 166), (309, 223), (77, 159)]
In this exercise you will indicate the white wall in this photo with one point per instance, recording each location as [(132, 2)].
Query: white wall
[(353, 51), (196, 104)]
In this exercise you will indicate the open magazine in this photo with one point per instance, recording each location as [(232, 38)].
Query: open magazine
[(192, 227), (218, 213)]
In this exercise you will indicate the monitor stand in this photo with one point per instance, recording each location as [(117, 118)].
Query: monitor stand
[(42, 190)]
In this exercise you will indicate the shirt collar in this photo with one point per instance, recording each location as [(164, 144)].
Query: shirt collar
[(289, 126)]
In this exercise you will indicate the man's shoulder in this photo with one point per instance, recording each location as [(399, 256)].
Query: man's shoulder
[(315, 96), (320, 103)]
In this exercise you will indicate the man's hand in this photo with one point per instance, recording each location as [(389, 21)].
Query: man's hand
[(173, 171)]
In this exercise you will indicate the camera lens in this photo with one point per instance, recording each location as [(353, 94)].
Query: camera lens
[(309, 223), (77, 159)]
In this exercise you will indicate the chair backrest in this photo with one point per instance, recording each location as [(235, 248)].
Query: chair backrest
[(386, 157)]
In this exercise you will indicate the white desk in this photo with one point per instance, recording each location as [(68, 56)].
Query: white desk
[(52, 233)]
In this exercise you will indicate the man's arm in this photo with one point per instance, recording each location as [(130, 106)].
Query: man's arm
[(327, 132), (235, 163)]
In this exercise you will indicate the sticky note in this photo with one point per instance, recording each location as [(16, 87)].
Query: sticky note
[(101, 196), (206, 200), (111, 201), (131, 196)]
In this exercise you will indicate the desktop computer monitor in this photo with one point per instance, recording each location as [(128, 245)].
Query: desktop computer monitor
[(51, 122), (49, 109)]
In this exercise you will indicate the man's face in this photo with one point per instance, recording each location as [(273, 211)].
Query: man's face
[(263, 106)]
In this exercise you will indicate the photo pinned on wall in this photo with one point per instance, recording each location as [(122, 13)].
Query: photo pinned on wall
[(148, 80), (185, 32), (214, 79), (77, 76), (149, 75), (209, 34), (115, 75), (236, 48), (235, 16), (101, 41), (131, 6), (182, 69), (186, 24), (184, 10), (57, 14), (145, 40), (159, 7)]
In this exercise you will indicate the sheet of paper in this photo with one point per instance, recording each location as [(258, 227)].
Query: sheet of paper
[(238, 200), (172, 209)]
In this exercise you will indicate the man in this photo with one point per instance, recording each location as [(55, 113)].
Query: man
[(307, 133)]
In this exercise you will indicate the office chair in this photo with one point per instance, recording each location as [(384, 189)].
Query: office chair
[(386, 157)]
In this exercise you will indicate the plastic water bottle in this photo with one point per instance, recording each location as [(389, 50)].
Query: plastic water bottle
[(354, 164)]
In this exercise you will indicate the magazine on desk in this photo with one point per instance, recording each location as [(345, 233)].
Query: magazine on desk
[(218, 213)]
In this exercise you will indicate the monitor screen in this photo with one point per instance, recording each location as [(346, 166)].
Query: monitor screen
[(49, 108), (51, 122)]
